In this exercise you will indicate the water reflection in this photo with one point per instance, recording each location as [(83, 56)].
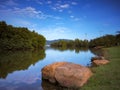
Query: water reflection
[(22, 70), (76, 49), (20, 60), (48, 86), (99, 52)]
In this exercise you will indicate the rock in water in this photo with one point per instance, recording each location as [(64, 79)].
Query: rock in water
[(100, 62), (66, 74), (48, 72)]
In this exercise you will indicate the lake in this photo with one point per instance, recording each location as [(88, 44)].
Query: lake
[(22, 70)]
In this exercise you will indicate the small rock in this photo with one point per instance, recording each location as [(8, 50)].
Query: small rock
[(97, 58), (100, 62)]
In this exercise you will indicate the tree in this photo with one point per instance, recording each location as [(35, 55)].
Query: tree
[(14, 38)]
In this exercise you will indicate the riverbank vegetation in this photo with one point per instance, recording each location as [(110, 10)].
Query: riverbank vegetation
[(106, 77), (77, 43), (103, 41), (19, 38), (106, 41)]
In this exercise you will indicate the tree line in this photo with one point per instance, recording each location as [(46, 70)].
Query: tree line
[(17, 38), (104, 41), (77, 43)]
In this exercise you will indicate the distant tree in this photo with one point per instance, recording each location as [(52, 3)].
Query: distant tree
[(77, 43), (118, 32), (107, 41), (118, 38)]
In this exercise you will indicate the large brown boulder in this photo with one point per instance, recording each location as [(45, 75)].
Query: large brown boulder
[(66, 74), (48, 72), (100, 62)]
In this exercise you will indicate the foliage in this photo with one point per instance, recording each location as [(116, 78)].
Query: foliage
[(106, 77), (71, 43), (103, 41), (14, 38), (106, 41), (118, 38)]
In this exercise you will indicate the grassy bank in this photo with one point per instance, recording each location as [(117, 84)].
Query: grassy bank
[(106, 77)]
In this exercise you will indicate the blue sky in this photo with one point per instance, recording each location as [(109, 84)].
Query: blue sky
[(63, 19)]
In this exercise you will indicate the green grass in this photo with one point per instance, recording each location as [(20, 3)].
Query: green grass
[(106, 77)]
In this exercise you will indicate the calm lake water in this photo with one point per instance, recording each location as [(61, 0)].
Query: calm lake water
[(22, 70)]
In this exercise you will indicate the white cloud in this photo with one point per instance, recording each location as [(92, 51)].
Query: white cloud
[(74, 3), (60, 23), (56, 17), (5, 3), (64, 6), (59, 1), (60, 7), (60, 10), (11, 3), (74, 18), (55, 30), (49, 2), (61, 29), (55, 33), (54, 8), (71, 16), (53, 17), (39, 2), (24, 23), (28, 12)]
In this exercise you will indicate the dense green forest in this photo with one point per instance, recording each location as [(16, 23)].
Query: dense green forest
[(18, 38), (104, 41), (71, 43)]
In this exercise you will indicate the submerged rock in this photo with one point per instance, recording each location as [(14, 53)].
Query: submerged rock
[(97, 58), (100, 62), (66, 74)]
